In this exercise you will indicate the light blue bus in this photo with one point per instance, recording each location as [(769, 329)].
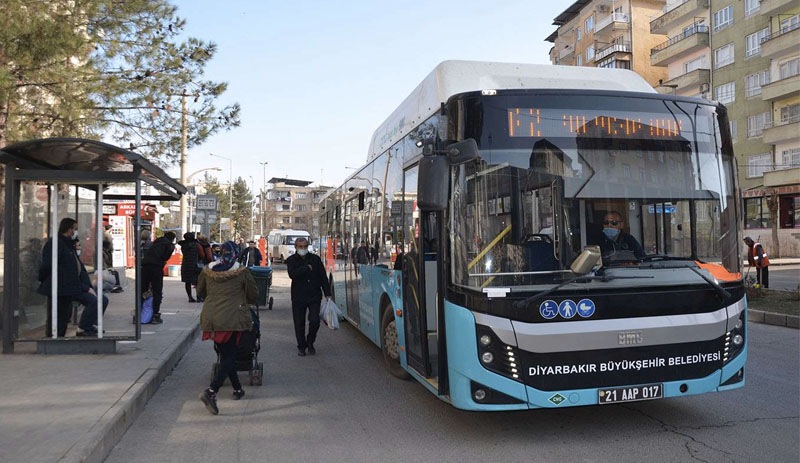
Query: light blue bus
[(543, 237)]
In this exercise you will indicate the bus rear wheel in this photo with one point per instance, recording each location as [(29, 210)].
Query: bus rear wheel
[(390, 345)]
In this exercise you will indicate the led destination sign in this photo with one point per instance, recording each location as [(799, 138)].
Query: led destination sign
[(538, 122)]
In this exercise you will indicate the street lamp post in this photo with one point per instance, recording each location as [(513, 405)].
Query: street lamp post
[(188, 183), (230, 194), (261, 208), (252, 214)]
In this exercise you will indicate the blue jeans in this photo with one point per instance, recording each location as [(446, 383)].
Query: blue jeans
[(88, 321)]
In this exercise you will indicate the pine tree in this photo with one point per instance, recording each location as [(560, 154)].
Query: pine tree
[(105, 68)]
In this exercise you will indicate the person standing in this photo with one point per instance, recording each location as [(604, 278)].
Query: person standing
[(757, 257), (228, 289), (250, 256), (74, 283), (190, 264), (153, 262), (309, 283)]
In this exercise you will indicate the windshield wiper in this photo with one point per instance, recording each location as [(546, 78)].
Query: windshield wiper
[(720, 290), (525, 303)]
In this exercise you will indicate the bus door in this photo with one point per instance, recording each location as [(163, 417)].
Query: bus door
[(417, 283)]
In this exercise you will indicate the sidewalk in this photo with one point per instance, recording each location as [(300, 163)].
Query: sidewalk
[(75, 408), (71, 408)]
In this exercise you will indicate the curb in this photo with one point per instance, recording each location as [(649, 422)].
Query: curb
[(107, 432), (777, 319)]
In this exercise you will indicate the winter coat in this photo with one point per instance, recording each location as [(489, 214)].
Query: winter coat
[(227, 298), (158, 253), (72, 276), (191, 256), (308, 284)]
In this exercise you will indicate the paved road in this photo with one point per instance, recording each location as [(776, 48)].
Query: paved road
[(784, 277), (341, 406)]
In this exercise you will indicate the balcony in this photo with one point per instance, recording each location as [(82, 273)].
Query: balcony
[(679, 14), (781, 43), (782, 131), (689, 41), (780, 89), (613, 22), (566, 53), (624, 47), (775, 7), (698, 78)]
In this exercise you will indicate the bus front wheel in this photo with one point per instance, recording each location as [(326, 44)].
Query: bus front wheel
[(390, 345)]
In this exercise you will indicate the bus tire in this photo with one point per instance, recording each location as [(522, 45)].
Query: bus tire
[(390, 345)]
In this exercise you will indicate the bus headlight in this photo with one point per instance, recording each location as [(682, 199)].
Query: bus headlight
[(487, 357), (485, 340), (738, 340), (497, 356), (734, 340)]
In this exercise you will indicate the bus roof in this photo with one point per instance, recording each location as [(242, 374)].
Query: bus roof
[(453, 77)]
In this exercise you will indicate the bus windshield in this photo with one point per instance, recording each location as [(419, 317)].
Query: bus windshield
[(645, 179)]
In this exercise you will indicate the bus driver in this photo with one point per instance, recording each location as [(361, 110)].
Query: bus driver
[(615, 238)]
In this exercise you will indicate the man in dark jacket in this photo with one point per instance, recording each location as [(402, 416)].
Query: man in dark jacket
[(309, 282), (155, 257), (74, 283), (250, 256)]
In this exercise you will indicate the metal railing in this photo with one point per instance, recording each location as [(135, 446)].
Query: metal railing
[(696, 29)]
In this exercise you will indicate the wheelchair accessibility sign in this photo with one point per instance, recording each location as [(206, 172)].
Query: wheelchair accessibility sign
[(567, 308)]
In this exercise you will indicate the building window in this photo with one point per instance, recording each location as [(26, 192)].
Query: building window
[(723, 18), (590, 53), (301, 208), (723, 56), (756, 123), (613, 63), (579, 60), (697, 63), (758, 163), (751, 6), (789, 69), (754, 82), (578, 33), (734, 130), (300, 195), (626, 171), (589, 23), (790, 158), (725, 93), (790, 114), (789, 24), (756, 213), (753, 42)]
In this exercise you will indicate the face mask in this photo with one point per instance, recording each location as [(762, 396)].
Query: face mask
[(75, 235), (302, 252), (611, 233), (78, 252)]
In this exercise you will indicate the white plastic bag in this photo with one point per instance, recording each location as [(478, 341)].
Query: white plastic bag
[(329, 314)]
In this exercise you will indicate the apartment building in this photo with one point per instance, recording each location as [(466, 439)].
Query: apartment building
[(742, 53), (602, 33), (292, 203)]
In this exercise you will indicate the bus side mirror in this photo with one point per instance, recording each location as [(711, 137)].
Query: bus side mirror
[(462, 151), (586, 261), (432, 190)]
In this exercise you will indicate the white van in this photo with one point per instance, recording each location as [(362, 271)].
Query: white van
[(280, 243)]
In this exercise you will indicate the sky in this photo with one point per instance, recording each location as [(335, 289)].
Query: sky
[(316, 78)]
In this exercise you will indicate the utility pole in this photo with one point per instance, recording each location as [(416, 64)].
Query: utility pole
[(184, 137)]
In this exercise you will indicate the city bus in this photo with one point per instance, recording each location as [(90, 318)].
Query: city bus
[(490, 195)]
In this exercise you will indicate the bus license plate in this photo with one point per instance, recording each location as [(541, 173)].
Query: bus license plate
[(630, 394)]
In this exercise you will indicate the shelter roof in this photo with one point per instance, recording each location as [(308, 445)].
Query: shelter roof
[(79, 160)]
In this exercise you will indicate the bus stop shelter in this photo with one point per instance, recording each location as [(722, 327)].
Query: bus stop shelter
[(46, 181)]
